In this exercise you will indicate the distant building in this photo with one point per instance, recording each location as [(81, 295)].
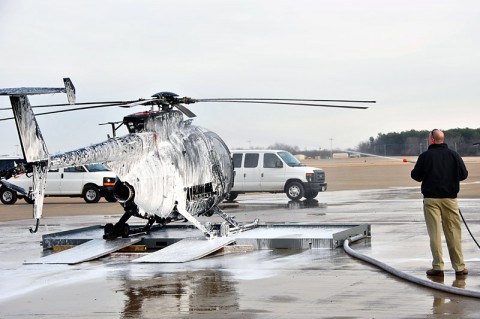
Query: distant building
[(340, 155), (300, 157)]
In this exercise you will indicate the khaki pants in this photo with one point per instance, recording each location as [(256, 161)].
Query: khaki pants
[(444, 212)]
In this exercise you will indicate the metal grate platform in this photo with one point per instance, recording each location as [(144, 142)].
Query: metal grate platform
[(182, 243), (265, 236)]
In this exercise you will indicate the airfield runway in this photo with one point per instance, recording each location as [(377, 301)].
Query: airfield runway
[(315, 283)]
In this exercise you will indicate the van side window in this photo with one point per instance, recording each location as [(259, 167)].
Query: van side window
[(271, 161), (74, 169), (55, 170), (237, 160), (251, 160)]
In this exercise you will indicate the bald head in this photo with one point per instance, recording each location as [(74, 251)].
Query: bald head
[(436, 137)]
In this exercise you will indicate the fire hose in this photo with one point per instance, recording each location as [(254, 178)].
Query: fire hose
[(406, 276)]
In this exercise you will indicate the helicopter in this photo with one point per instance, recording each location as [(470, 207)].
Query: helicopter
[(167, 169)]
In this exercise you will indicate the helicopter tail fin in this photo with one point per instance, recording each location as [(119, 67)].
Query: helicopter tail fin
[(34, 150), (33, 145)]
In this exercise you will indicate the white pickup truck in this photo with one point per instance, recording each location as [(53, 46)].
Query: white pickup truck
[(88, 181), (275, 171)]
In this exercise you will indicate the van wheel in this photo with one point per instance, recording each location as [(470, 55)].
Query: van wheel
[(231, 196), (91, 194), (8, 196), (295, 191), (311, 195)]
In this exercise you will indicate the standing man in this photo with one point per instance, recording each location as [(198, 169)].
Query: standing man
[(440, 170)]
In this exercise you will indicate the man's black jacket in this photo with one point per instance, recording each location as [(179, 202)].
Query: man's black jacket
[(440, 170)]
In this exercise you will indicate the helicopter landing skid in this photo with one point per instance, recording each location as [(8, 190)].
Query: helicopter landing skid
[(122, 229), (209, 233), (225, 228), (229, 226)]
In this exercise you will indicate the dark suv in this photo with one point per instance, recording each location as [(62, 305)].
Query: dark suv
[(9, 166)]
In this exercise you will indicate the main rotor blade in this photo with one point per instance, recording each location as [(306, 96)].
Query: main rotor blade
[(268, 99), (137, 102), (115, 103), (84, 103), (302, 104), (125, 104), (68, 110)]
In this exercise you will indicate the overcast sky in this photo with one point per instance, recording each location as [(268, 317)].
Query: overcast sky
[(420, 60)]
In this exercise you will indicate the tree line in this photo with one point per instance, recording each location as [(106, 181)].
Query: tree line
[(406, 143), (412, 143)]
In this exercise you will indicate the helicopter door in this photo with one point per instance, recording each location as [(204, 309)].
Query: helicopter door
[(272, 175), (251, 172)]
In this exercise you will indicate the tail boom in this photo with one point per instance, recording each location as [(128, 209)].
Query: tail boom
[(33, 145)]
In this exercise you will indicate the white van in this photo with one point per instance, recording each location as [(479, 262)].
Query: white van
[(275, 171), (88, 181)]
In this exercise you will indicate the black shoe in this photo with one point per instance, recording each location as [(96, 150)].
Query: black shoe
[(462, 272), (435, 272), (438, 279)]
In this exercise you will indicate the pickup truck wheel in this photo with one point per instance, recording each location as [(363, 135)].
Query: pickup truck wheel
[(91, 194), (311, 195), (231, 196), (295, 191), (8, 196)]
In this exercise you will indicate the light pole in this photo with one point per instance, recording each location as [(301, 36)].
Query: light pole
[(331, 148)]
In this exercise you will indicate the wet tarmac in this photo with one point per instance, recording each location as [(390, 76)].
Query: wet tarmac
[(278, 283)]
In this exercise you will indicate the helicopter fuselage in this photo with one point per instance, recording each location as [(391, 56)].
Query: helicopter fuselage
[(165, 162)]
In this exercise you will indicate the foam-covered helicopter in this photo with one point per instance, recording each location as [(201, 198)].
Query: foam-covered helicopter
[(167, 169)]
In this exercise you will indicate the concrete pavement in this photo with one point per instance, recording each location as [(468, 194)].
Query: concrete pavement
[(316, 283)]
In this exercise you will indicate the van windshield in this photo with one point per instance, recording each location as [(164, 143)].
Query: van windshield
[(290, 159), (96, 168)]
